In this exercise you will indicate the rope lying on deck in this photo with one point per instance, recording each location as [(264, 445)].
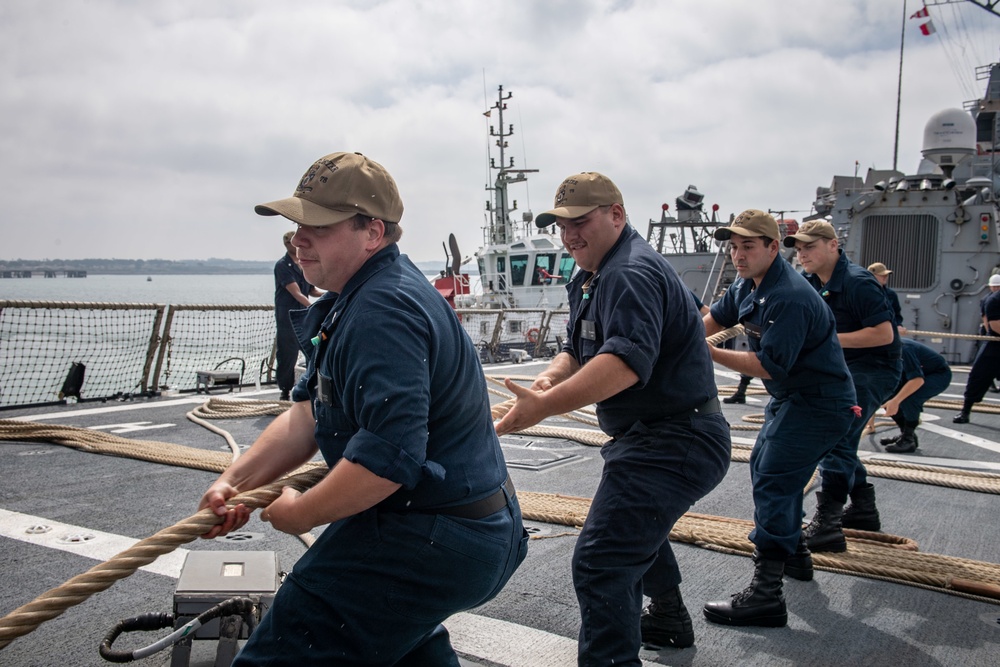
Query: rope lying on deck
[(900, 563), (47, 606)]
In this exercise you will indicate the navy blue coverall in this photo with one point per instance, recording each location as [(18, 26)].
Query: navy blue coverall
[(793, 335), (396, 386), (670, 443), (986, 365), (858, 301), (920, 361), (286, 272)]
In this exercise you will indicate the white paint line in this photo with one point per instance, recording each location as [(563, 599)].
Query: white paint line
[(955, 464), (102, 547), (508, 643), (139, 404), (963, 437), (482, 638)]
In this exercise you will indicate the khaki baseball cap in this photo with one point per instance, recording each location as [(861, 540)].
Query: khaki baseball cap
[(337, 187), (878, 268), (579, 195), (750, 222), (811, 231)]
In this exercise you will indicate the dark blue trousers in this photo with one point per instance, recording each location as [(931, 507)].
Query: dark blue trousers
[(985, 367), (286, 352), (798, 432), (375, 588), (913, 405), (841, 470), (652, 475)]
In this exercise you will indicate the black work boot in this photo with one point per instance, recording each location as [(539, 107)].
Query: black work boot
[(892, 440), (906, 443), (825, 532), (862, 514), (740, 396), (665, 622), (761, 603), (800, 564), (962, 417)]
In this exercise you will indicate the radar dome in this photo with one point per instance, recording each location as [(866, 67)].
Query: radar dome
[(949, 137)]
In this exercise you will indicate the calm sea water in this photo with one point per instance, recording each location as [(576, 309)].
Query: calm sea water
[(167, 289)]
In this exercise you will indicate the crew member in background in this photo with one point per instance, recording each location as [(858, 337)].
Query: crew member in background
[(635, 346), (882, 276), (925, 375), (794, 349), (986, 366), (868, 336), (423, 520), (291, 291)]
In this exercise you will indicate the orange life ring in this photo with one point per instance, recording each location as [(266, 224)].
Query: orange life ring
[(532, 336)]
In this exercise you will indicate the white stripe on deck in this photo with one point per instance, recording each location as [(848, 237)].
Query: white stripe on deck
[(82, 541), (141, 404), (963, 437), (508, 643), (482, 638)]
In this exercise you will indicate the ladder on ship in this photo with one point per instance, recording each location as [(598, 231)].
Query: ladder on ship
[(724, 271)]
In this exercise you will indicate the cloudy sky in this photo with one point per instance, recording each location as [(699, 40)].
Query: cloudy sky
[(150, 129)]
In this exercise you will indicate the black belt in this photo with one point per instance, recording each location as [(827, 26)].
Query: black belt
[(709, 407), (475, 510)]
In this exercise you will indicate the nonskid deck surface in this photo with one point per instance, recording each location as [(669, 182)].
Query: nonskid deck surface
[(96, 506)]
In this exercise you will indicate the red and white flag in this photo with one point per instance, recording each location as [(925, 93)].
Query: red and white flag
[(927, 28), (921, 14)]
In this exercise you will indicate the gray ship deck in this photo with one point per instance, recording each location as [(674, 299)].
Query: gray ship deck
[(104, 504)]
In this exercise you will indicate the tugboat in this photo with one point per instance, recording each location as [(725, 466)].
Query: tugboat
[(519, 265)]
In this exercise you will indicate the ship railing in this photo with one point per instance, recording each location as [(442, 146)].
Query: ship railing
[(513, 334), (132, 350), (126, 349)]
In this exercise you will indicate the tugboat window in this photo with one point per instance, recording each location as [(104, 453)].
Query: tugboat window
[(518, 267), (544, 267), (566, 266)]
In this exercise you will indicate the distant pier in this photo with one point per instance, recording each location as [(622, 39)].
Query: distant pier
[(47, 273)]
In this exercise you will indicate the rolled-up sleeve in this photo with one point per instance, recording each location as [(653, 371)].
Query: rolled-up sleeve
[(388, 396)]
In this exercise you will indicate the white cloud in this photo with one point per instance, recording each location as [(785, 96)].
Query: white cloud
[(150, 130)]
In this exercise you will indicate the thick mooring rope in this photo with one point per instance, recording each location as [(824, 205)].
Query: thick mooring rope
[(51, 604), (958, 576)]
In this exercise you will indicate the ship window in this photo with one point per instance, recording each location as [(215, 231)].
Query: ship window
[(518, 267), (544, 269), (514, 326), (985, 127), (566, 266), (502, 273)]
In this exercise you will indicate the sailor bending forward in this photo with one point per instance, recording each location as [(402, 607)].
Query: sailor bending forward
[(423, 519)]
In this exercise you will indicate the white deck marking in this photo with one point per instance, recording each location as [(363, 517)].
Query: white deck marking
[(508, 643), (102, 547), (963, 437), (129, 427), (140, 404), (480, 637)]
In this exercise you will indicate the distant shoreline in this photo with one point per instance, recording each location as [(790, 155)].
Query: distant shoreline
[(57, 268)]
